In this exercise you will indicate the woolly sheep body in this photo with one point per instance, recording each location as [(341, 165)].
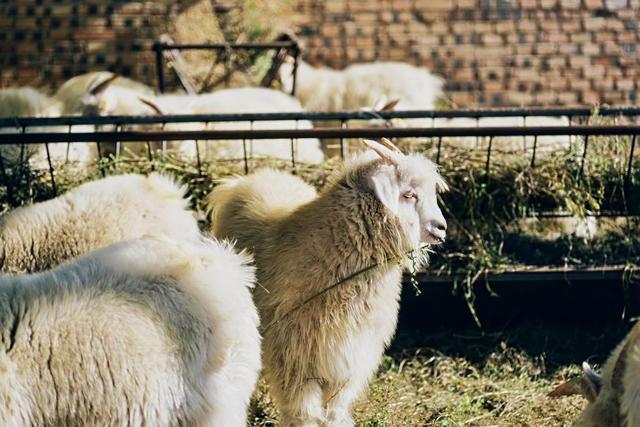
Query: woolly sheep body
[(322, 354), (141, 333), (118, 99), (28, 102), (93, 215), (362, 85), (21, 102), (243, 100)]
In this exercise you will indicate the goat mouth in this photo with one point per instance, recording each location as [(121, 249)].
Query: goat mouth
[(433, 239)]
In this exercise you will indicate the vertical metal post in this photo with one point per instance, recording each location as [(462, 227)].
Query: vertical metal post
[(293, 151), (158, 47), (584, 157), (150, 155), (296, 61), (535, 146), (198, 160), (66, 154), (439, 148), (343, 125), (246, 160), (53, 180), (627, 178), (101, 166), (524, 137), (486, 168)]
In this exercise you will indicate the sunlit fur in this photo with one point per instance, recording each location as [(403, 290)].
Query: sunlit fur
[(362, 85), (151, 332), (618, 405), (319, 358), (93, 215), (242, 100)]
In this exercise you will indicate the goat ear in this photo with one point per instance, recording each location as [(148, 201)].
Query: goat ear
[(390, 106), (152, 105), (380, 103), (390, 145), (580, 385), (385, 153), (386, 188), (98, 87)]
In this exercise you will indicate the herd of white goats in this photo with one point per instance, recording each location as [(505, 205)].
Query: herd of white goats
[(116, 309), (371, 87)]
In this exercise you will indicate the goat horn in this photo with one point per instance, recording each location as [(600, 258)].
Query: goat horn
[(592, 376), (97, 89), (152, 105), (390, 145), (383, 151)]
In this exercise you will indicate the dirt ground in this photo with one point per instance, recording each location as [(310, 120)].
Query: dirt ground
[(471, 378)]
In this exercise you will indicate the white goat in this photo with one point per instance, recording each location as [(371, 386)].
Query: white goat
[(324, 338), (28, 102), (614, 396), (152, 332), (101, 93), (361, 86), (14, 103), (93, 215), (242, 100)]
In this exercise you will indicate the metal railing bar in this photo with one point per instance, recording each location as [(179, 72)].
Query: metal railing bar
[(224, 46), (305, 115), (128, 136)]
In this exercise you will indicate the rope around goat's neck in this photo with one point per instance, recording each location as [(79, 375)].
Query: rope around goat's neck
[(335, 285)]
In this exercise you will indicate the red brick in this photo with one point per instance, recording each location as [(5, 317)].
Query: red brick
[(594, 23), (625, 84), (594, 4), (571, 4), (590, 97), (492, 39)]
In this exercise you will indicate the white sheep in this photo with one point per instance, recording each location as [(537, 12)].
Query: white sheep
[(151, 332), (614, 396), (100, 93), (323, 338), (28, 102), (93, 215), (361, 86), (16, 103), (241, 100)]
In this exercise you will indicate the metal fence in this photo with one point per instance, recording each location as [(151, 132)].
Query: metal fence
[(24, 132), (283, 46)]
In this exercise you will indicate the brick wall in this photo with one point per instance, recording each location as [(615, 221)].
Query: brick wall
[(43, 42), (491, 52)]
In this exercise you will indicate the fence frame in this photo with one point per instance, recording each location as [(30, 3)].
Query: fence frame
[(289, 45)]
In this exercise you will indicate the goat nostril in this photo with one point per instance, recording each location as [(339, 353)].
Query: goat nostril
[(442, 226)]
